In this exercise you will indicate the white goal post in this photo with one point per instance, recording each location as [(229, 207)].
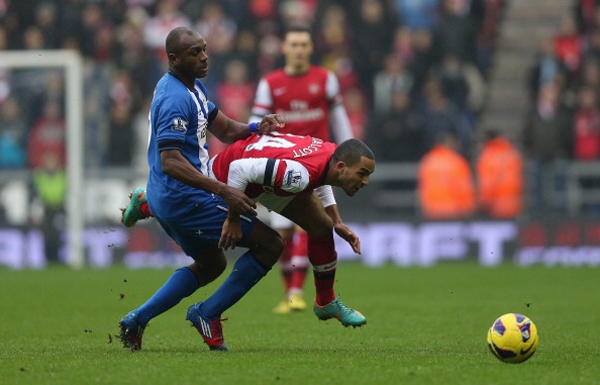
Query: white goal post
[(72, 63)]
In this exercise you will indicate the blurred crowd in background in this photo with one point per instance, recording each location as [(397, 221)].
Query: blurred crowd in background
[(408, 69)]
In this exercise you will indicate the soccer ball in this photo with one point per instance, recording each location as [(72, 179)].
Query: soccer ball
[(512, 338)]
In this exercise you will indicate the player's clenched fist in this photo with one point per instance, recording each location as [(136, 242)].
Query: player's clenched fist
[(271, 122)]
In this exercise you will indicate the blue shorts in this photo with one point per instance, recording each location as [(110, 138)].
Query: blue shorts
[(199, 224)]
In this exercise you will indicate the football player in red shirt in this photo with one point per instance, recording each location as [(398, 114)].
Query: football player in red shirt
[(308, 97), (291, 175)]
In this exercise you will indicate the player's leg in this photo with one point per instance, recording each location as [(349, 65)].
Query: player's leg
[(299, 268), (285, 228), (137, 208), (182, 283), (308, 212), (265, 246)]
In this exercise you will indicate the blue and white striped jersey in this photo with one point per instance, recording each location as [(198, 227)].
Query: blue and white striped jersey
[(178, 119)]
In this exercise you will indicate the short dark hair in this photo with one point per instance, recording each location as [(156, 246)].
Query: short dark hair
[(172, 43), (297, 28), (350, 151)]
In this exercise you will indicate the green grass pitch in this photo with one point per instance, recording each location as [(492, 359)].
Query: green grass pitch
[(425, 326)]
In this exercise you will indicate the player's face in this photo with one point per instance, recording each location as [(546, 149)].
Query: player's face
[(192, 60), (297, 48), (355, 177)]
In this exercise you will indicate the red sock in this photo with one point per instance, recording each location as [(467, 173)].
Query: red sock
[(285, 265), (145, 209), (299, 262), (322, 255)]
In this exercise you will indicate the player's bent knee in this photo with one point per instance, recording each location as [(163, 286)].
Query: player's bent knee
[(209, 266), (216, 269), (266, 244)]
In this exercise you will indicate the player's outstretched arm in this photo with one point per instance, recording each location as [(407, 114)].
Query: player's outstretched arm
[(228, 130)]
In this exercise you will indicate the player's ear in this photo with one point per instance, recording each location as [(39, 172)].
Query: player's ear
[(173, 59), (340, 166)]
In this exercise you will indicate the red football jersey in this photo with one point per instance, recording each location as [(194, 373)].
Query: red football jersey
[(304, 101), (280, 164)]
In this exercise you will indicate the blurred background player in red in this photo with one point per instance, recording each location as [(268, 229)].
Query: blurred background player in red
[(309, 99)]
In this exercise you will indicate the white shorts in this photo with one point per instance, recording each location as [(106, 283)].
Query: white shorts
[(278, 221), (273, 219)]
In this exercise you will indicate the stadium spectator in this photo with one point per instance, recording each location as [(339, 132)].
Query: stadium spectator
[(332, 34), (372, 39), (418, 14), (46, 20), (397, 136), (50, 191), (308, 97), (246, 47), (356, 108), (440, 114), (402, 45), (93, 24), (445, 181), (590, 77), (463, 83), (133, 56), (220, 30), (268, 48), (585, 13), (120, 130), (234, 93), (13, 132), (156, 28), (487, 34), (499, 178), (140, 135), (568, 45), (394, 77), (547, 140), (457, 32), (546, 68), (586, 125), (592, 51), (47, 136), (294, 12), (422, 60)]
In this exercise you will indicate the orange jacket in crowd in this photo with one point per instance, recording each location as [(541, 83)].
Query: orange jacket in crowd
[(500, 179), (445, 184)]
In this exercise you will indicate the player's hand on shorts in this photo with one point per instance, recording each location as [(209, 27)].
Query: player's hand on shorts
[(348, 235), (239, 202), (271, 122), (231, 233)]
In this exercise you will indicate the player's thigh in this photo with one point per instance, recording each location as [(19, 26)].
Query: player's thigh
[(199, 230), (266, 243), (308, 212)]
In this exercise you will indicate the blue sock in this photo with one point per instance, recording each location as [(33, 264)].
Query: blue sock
[(245, 274), (181, 284)]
